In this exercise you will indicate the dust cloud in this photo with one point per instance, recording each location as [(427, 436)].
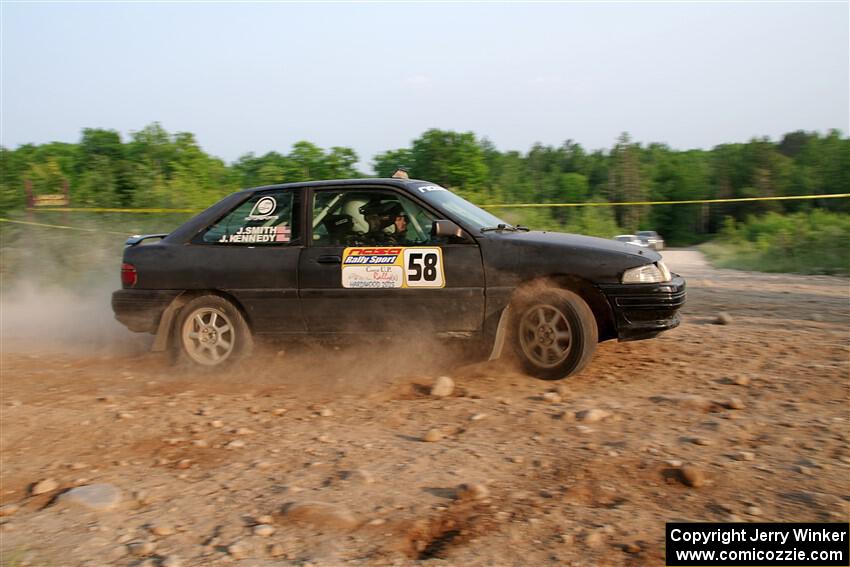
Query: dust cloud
[(38, 318)]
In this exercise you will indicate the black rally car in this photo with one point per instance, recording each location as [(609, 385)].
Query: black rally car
[(395, 256)]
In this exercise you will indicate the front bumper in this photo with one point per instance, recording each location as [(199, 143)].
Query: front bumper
[(140, 309), (642, 311)]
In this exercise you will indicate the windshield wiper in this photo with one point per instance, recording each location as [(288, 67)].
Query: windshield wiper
[(505, 227)]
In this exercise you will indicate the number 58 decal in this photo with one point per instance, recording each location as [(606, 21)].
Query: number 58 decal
[(379, 267), (423, 267)]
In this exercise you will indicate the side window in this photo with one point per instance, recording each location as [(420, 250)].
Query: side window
[(269, 218), (369, 218)]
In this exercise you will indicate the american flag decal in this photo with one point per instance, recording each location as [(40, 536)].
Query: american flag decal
[(283, 233)]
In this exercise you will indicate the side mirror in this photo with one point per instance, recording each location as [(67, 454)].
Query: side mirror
[(446, 228)]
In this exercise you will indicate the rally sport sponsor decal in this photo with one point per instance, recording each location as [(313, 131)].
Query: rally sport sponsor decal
[(393, 266)]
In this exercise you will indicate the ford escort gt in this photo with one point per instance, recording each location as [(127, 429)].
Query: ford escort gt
[(372, 256)]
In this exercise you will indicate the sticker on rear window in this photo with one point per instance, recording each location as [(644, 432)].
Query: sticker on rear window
[(259, 235), (392, 267), (263, 210)]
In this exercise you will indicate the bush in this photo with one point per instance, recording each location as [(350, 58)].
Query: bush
[(813, 242)]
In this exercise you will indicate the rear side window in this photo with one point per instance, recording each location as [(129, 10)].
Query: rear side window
[(269, 218)]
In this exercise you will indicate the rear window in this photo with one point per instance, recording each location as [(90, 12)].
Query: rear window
[(266, 219)]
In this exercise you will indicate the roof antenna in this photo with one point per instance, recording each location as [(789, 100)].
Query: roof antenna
[(401, 173)]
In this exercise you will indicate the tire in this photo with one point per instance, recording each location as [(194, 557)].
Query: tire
[(211, 332), (554, 334)]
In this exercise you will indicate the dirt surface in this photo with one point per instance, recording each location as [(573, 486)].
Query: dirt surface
[(325, 445)]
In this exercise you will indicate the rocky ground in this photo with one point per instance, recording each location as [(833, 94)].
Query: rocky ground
[(345, 454)]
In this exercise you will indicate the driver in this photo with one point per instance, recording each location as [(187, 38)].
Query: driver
[(380, 217)]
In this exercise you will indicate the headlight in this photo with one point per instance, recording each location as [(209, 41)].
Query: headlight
[(649, 273)]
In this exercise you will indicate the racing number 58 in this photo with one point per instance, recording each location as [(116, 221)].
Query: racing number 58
[(415, 270), (423, 267)]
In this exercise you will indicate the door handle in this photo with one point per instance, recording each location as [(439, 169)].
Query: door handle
[(330, 259)]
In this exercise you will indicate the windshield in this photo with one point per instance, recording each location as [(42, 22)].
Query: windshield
[(459, 207)]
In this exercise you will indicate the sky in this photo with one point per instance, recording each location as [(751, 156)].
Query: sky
[(373, 76)]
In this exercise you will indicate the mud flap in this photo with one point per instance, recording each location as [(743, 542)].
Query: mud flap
[(501, 334), (166, 322)]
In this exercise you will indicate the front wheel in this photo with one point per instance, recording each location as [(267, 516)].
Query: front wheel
[(554, 334), (211, 331)]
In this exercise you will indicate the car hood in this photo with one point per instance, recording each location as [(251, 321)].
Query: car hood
[(578, 242)]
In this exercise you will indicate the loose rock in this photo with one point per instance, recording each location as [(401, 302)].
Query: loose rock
[(101, 497), (723, 318), (321, 514), (162, 530), (432, 436), (692, 476), (141, 548), (171, 561), (697, 403), (592, 415), (238, 550), (360, 475), (551, 397), (632, 548), (594, 538), (43, 486), (742, 380), (263, 530), (472, 491), (443, 387), (734, 403)]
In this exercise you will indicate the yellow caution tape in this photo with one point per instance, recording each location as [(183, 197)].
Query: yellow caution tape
[(694, 202), (63, 227), (111, 210)]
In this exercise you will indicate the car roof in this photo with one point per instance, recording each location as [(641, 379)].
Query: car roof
[(388, 181)]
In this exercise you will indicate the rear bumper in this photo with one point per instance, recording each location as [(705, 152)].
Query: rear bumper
[(642, 311), (140, 309)]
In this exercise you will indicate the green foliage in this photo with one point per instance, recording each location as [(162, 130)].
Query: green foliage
[(813, 242), (155, 168)]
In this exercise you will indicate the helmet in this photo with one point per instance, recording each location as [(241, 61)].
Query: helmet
[(379, 214)]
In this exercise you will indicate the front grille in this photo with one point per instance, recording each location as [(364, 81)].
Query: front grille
[(651, 301)]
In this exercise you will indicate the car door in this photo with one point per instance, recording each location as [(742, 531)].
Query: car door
[(361, 273), (252, 254)]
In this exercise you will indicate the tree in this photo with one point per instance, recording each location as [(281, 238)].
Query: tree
[(624, 182)]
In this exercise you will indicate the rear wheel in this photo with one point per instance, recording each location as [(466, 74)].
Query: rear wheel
[(554, 334), (212, 332)]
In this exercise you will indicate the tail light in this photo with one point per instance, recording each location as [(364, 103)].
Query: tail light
[(129, 276)]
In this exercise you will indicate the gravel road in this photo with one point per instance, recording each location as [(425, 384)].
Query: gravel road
[(341, 454)]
